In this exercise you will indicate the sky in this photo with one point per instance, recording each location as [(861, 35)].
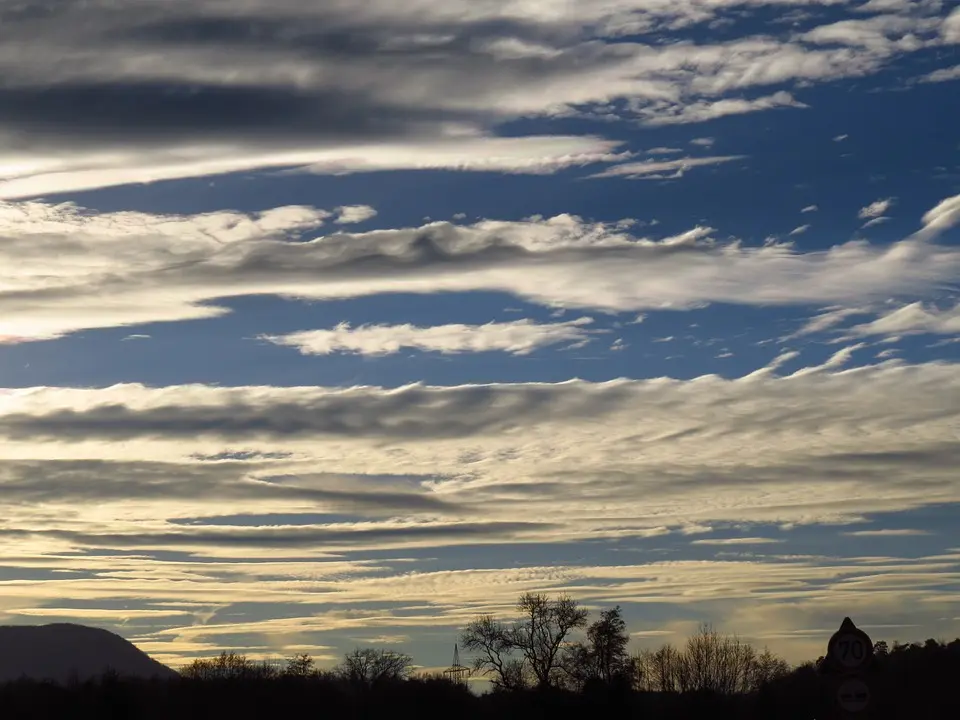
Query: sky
[(336, 324)]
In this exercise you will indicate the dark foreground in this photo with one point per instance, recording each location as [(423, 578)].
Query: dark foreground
[(922, 684)]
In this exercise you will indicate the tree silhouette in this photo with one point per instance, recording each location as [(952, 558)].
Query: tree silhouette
[(369, 666), (712, 675), (710, 662), (608, 638), (299, 666), (226, 666), (537, 636), (603, 657), (492, 644)]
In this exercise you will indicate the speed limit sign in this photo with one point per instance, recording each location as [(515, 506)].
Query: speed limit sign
[(850, 650), (846, 670)]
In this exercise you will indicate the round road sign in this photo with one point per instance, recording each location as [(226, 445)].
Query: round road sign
[(850, 649), (853, 695)]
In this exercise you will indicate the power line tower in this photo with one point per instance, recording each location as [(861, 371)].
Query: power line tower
[(457, 673)]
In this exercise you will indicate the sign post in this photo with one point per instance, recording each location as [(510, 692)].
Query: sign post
[(845, 671)]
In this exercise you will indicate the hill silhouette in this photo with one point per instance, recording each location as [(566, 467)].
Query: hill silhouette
[(63, 652)]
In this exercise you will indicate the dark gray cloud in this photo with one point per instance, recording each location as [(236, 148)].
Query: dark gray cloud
[(280, 76), (113, 114), (34, 482), (296, 536), (414, 412), (242, 455)]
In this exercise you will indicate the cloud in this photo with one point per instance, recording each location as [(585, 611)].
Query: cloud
[(521, 337), (874, 221), (135, 496), (737, 541), (913, 319), (810, 209), (408, 535), (940, 219), (882, 34), (799, 230), (840, 138), (950, 29), (349, 214), (498, 455), (888, 532), (247, 485), (657, 114), (68, 269), (827, 320), (875, 209), (658, 169), (126, 94), (942, 75), (536, 155), (703, 141)]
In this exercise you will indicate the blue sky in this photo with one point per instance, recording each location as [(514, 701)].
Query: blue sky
[(334, 324)]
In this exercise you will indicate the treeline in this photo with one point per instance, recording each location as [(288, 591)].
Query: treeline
[(534, 651), (536, 670)]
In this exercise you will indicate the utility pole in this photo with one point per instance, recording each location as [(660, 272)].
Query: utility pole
[(456, 672)]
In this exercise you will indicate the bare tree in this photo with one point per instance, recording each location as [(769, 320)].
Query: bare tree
[(492, 642), (709, 662), (299, 666), (576, 662), (537, 637), (660, 670), (369, 666), (226, 666), (541, 632), (768, 667)]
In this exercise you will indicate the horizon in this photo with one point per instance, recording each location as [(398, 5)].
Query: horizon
[(332, 325), (475, 677)]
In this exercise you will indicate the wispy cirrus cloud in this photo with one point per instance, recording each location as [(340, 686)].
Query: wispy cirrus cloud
[(942, 75), (59, 173), (827, 320), (659, 169), (888, 532), (912, 319), (665, 113)]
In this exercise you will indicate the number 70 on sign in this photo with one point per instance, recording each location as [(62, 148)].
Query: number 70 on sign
[(850, 650)]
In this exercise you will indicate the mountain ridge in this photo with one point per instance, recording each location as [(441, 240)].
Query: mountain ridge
[(63, 652)]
